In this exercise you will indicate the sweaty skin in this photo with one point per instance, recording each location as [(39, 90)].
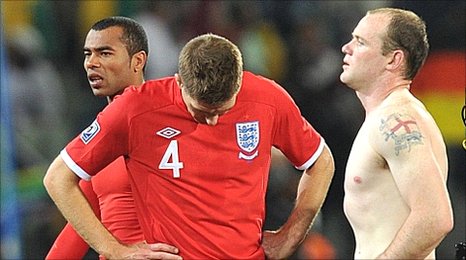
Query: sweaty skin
[(379, 197), (396, 198)]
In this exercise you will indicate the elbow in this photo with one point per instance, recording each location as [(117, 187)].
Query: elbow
[(443, 228), (444, 223), (332, 168), (449, 228), (447, 223), (58, 178), (49, 182), (327, 161), (330, 163)]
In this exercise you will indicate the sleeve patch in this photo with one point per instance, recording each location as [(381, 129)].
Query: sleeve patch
[(90, 132)]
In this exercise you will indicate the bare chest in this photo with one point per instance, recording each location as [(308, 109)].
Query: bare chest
[(365, 168)]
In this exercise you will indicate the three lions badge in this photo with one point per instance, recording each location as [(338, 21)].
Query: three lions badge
[(247, 137)]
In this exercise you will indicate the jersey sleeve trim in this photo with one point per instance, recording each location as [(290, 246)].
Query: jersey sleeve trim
[(73, 166), (314, 157)]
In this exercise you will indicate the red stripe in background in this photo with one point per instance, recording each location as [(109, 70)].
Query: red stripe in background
[(444, 71)]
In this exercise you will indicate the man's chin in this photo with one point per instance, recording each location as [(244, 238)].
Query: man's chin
[(98, 93), (343, 79)]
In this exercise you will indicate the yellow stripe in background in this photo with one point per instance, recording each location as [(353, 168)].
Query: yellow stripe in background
[(440, 85), (446, 110), (92, 11), (16, 14)]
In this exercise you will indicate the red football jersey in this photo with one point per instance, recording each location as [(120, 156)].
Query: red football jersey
[(110, 196), (69, 244), (117, 207), (198, 187)]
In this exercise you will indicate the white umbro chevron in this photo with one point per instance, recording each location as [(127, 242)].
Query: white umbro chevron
[(168, 132)]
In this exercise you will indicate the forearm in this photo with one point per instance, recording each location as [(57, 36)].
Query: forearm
[(312, 191), (68, 245), (417, 238), (62, 186), (292, 233), (423, 189)]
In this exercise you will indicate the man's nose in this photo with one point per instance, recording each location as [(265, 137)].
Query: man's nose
[(346, 47), (92, 61)]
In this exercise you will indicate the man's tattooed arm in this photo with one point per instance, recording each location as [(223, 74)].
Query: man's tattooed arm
[(403, 130)]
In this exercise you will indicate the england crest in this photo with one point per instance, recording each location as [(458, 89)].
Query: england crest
[(247, 137)]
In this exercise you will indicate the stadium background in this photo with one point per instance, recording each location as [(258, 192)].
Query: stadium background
[(46, 99)]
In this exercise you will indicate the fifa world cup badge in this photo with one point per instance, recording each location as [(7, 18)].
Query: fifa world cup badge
[(90, 132)]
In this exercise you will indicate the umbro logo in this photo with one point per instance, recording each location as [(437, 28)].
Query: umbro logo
[(168, 132)]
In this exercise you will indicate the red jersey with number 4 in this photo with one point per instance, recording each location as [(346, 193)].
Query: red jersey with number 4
[(200, 188)]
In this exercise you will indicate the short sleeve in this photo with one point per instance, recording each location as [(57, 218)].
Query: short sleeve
[(294, 135), (102, 142)]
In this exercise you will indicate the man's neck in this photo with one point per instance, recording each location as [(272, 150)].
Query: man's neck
[(373, 97)]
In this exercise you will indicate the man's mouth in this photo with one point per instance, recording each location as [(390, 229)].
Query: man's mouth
[(345, 64), (95, 81)]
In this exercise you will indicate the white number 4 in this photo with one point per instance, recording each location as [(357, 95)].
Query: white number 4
[(175, 165)]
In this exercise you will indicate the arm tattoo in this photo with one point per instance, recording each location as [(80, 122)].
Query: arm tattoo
[(403, 130)]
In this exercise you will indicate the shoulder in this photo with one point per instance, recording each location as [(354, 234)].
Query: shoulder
[(153, 87), (151, 94), (261, 89), (259, 81), (401, 124), (403, 109)]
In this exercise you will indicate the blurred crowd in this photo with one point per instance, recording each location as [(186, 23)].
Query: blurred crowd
[(296, 43)]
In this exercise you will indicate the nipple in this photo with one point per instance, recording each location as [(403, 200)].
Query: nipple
[(357, 179)]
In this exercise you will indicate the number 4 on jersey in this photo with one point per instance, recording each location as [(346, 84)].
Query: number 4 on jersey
[(175, 165)]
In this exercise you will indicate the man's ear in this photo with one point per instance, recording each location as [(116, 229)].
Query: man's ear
[(140, 60), (397, 60), (178, 80)]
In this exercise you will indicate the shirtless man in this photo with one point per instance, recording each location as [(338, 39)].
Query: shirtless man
[(396, 198)]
